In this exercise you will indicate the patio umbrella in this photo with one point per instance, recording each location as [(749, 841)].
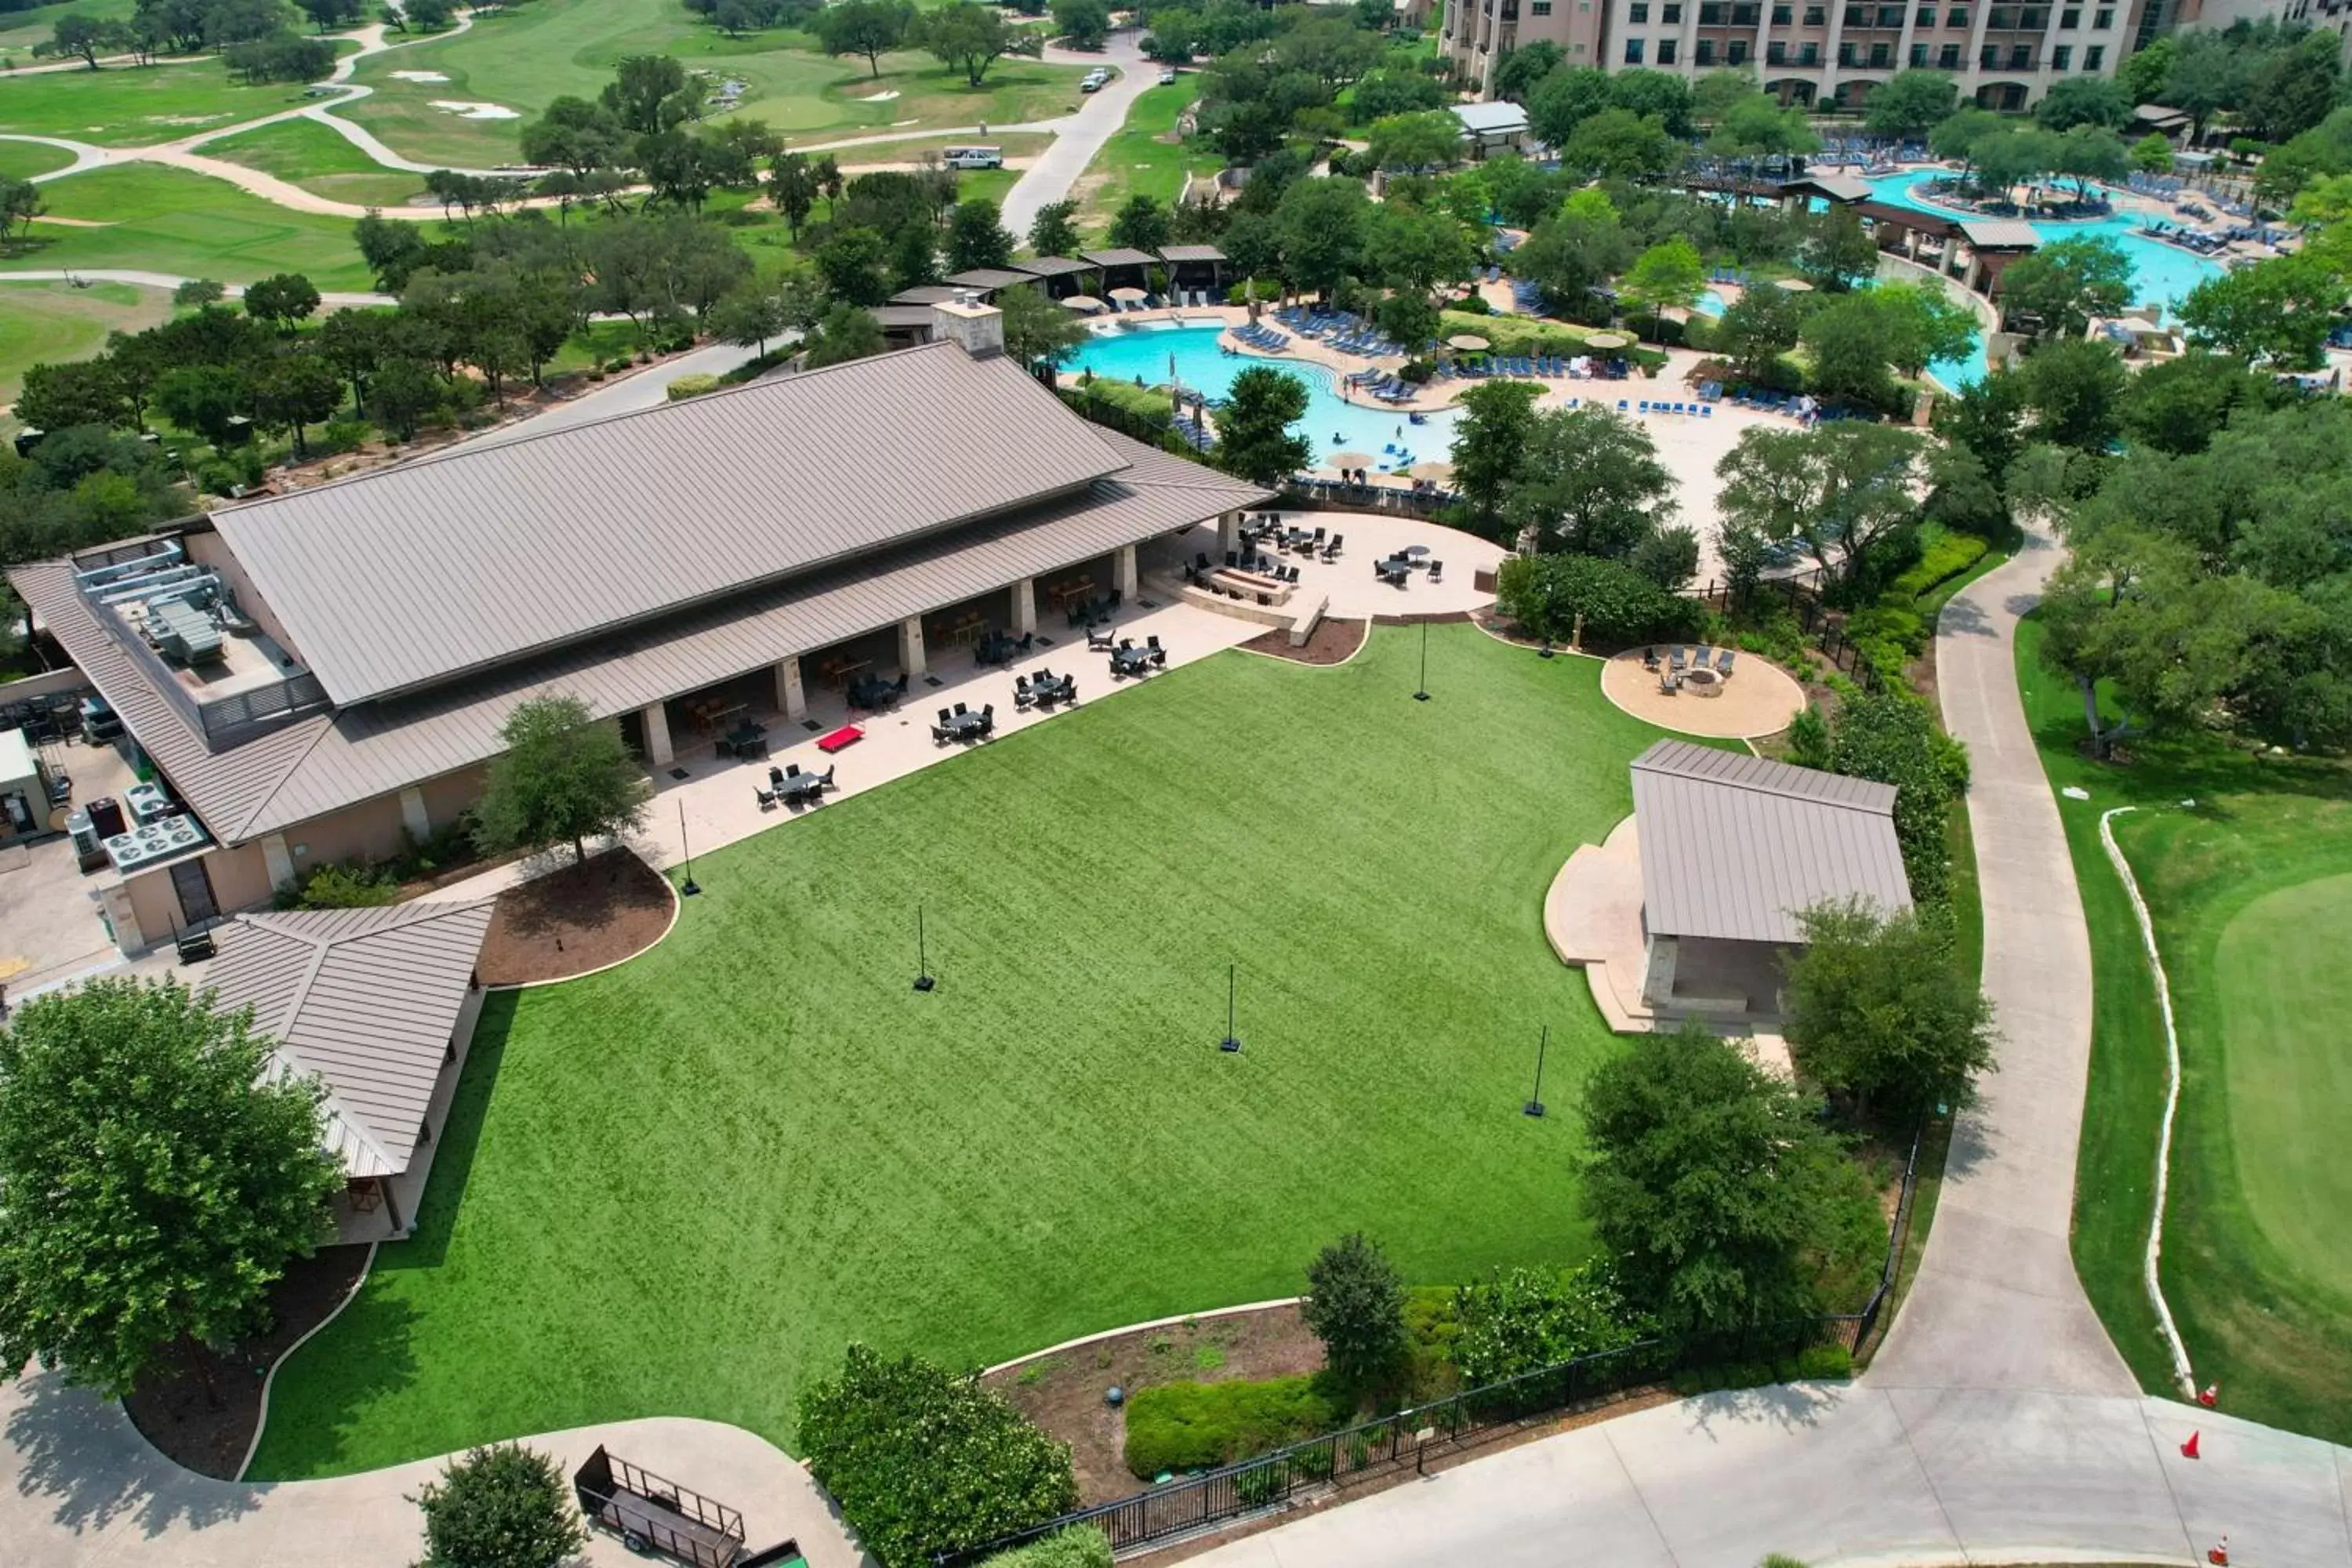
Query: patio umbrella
[(1349, 460), (1794, 285), (1129, 296), (1441, 472), (1607, 341), (2139, 326), (1085, 303), (1469, 343)]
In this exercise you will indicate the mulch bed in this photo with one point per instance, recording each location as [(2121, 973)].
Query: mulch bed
[(580, 917), (209, 1432), (1062, 1393), (1331, 642)]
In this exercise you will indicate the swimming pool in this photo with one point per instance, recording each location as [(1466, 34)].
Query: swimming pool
[(1712, 303), (1334, 424)]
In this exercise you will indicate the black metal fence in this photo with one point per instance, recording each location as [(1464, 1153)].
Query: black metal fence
[(1412, 1439)]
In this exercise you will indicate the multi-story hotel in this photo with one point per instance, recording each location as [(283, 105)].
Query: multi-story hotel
[(2006, 55)]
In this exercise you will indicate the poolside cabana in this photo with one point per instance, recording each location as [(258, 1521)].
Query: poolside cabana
[(983, 282), (1844, 190), (1190, 266), (1920, 237), (1489, 128), (1993, 242), (1060, 275), (1121, 269)]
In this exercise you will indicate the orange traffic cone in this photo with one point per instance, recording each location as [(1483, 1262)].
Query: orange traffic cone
[(2189, 1449), (2219, 1555), (2210, 1395)]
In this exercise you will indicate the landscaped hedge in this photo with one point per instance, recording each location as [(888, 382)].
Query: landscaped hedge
[(1081, 1546), (1174, 1426), (1619, 607), (1522, 335)]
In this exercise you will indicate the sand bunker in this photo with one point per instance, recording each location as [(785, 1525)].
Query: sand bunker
[(883, 97), (420, 76), (465, 109)]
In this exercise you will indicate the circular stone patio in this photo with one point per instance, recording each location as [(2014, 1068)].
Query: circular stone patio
[(1759, 700)]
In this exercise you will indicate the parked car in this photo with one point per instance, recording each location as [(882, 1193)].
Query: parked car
[(1168, 77), (973, 158), (1094, 81)]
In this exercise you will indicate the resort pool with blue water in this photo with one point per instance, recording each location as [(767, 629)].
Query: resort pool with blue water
[(1712, 303), (1333, 423)]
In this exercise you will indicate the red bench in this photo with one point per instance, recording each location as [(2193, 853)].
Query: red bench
[(847, 735)]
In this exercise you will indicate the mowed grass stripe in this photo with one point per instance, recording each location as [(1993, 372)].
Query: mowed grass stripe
[(682, 1186)]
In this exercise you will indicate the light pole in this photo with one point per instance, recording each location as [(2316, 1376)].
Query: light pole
[(1534, 1105), (923, 980), (1232, 1041), (1421, 693), (689, 889)]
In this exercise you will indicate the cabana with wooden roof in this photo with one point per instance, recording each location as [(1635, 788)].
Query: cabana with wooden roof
[(1198, 267)]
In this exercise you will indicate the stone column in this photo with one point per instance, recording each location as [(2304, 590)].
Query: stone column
[(656, 722), (791, 699), (910, 647), (1658, 978), (278, 860), (1229, 533), (413, 814), (1123, 571), (1025, 606)]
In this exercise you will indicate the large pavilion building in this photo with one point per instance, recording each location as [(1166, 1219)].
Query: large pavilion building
[(321, 676)]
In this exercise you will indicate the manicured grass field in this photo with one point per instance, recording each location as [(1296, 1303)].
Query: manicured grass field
[(20, 30), (1137, 162), (313, 156), (54, 322), (682, 1186), (526, 58), (190, 225), (134, 106), (2255, 1275), (23, 160)]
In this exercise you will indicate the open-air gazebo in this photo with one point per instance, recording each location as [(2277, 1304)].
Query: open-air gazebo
[(1121, 268), (1060, 275), (1191, 267)]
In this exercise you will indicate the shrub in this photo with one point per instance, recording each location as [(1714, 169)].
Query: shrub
[(923, 1461), (1078, 1547), (1519, 1320), (502, 1507), (341, 435), (1356, 1307), (1942, 557), (1265, 289), (1199, 1426), (355, 886), (686, 386), (1548, 594), (1825, 1364)]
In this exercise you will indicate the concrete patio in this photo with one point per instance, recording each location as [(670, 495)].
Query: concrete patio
[(1758, 700)]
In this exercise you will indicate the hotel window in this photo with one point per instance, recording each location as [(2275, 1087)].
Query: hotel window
[(1918, 56), (1956, 18), (2021, 57), (1776, 53), (1633, 51), (2034, 18), (2093, 56), (1710, 14), (1857, 16), (1890, 17), (2071, 17), (1846, 54), (1739, 51), (2103, 19), (1949, 58), (1745, 16), (1926, 16), (1879, 54), (1989, 58), (1706, 55), (1667, 50), (2002, 18), (1637, 13), (1809, 54), (2062, 58), (1816, 15), (1781, 15), (1672, 15)]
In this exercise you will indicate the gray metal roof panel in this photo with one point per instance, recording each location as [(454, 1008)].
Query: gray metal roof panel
[(1052, 266), (1999, 234), (989, 277), (415, 574), (367, 999), (1121, 256), (1191, 252), (1737, 846)]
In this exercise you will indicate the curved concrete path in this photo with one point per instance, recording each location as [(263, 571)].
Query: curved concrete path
[(1078, 137), (1997, 1424)]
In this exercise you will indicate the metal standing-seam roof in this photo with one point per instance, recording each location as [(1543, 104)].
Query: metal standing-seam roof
[(1052, 267), (1999, 234), (407, 575), (1735, 846), (991, 278), (1191, 252), (1500, 117), (1836, 187), (367, 999), (1121, 256)]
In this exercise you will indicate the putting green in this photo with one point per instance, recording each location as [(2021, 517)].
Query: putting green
[(2286, 993)]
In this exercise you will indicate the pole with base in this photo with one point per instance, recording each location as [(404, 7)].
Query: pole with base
[(1232, 1041), (923, 980), (1421, 693), (688, 890), (1534, 1105)]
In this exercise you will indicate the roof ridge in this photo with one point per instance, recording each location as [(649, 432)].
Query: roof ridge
[(1766, 786)]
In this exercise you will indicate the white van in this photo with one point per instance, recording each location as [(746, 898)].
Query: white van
[(974, 158)]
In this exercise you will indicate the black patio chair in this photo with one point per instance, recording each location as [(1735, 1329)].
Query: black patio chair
[(1436, 570), (959, 709), (1100, 641), (776, 776), (1022, 695), (1331, 550), (1649, 659), (988, 719), (940, 731), (767, 801)]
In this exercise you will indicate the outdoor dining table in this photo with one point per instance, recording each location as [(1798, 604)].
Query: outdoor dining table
[(745, 740), (1415, 552), (1130, 660), (871, 692), (836, 670)]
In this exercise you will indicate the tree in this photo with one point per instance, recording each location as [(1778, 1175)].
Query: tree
[(1141, 224), (403, 393), (968, 36), (2008, 158), (1590, 484), (1565, 100), (851, 263), (1755, 126), (1709, 1182), (564, 777), (2278, 310), (2178, 405), (1842, 490), (1617, 144), (154, 1178), (76, 392), (1574, 252), (294, 390), (282, 299), (868, 27), (2082, 100), (1415, 249), (2142, 75), (1847, 338), (1891, 738), (1038, 330), (505, 1506), (577, 135), (1490, 445), (1758, 328), (648, 94), (77, 37), (1355, 1305), (2075, 389), (977, 237), (327, 14), (2066, 282), (1254, 436), (1055, 230), (1524, 68), (1667, 274), (925, 1462), (2152, 154), (1836, 254), (1877, 1011), (1082, 23), (1910, 103), (1430, 139), (1322, 223), (846, 333), (2296, 87)]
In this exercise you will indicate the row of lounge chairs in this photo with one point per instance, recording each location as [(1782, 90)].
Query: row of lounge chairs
[(1340, 330), (1530, 365), (1645, 405), (1380, 383), (1699, 656), (1260, 336)]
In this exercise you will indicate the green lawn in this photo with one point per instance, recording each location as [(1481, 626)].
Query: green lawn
[(20, 30), (190, 225), (529, 55), (1138, 161), (309, 154), (681, 1186), (23, 160), (52, 323), (2256, 1278), (134, 106)]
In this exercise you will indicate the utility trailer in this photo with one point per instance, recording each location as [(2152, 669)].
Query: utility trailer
[(650, 1513)]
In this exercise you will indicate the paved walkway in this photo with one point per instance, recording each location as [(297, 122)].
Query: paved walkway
[(1077, 138)]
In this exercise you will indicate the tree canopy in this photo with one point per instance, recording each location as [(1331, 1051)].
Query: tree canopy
[(562, 778), (1878, 1012)]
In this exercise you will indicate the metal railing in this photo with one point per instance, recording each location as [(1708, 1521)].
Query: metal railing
[(1442, 1427)]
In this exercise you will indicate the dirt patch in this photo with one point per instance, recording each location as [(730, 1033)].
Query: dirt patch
[(1062, 1393), (1331, 642), (580, 917), (208, 1432)]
